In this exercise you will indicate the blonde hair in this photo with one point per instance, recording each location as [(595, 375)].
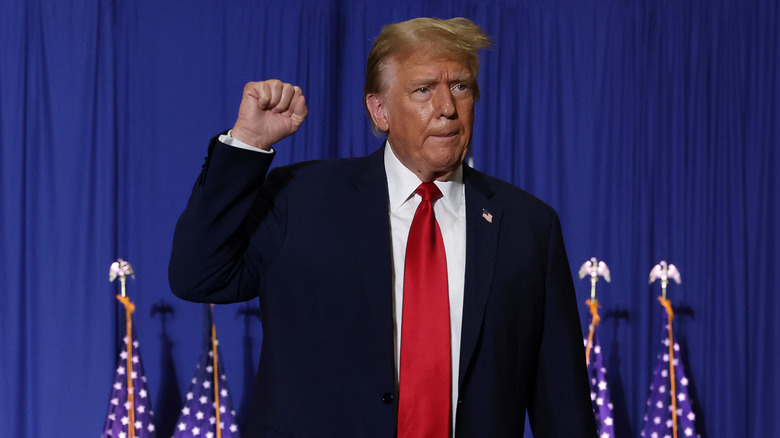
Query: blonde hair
[(457, 37)]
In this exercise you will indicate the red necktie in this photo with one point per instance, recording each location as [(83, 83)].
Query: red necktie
[(425, 376)]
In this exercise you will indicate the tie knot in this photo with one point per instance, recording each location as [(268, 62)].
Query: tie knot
[(429, 191)]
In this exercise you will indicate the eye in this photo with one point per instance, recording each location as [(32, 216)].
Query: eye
[(460, 87), (423, 90)]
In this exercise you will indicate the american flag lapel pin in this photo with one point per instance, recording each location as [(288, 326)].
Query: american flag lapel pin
[(487, 216)]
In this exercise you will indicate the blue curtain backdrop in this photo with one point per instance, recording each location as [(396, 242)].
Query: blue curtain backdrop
[(650, 125)]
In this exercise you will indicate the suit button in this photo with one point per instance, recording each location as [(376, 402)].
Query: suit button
[(388, 397)]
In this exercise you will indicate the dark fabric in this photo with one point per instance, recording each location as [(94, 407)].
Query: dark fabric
[(319, 260), (651, 126)]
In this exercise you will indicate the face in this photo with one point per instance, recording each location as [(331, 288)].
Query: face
[(427, 111)]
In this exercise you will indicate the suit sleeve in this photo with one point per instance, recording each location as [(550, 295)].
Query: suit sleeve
[(561, 404), (211, 258)]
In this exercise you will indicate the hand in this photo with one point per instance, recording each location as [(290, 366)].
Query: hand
[(270, 111)]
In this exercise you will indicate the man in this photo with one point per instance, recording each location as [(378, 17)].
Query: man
[(402, 294)]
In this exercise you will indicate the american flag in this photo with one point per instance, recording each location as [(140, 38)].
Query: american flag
[(202, 416), (599, 392), (659, 422), (118, 419)]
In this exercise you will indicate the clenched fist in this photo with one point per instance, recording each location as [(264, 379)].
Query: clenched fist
[(270, 111)]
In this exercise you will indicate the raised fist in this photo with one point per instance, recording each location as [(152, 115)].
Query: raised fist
[(270, 111)]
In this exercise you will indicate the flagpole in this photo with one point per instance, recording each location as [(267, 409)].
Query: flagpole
[(594, 269), (216, 369), (664, 272), (122, 269), (672, 380)]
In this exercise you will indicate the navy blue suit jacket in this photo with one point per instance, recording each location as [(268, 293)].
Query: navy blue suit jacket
[(312, 241)]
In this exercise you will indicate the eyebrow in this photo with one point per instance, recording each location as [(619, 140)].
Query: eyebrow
[(425, 82)]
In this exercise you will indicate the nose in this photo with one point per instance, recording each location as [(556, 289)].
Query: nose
[(445, 103)]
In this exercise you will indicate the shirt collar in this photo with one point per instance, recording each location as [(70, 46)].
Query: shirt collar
[(402, 182)]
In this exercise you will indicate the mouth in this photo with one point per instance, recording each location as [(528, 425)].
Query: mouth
[(446, 134)]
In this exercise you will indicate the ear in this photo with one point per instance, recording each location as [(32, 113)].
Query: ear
[(376, 108)]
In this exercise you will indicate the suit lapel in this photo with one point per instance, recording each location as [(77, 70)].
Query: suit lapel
[(370, 241), (374, 259), (483, 221)]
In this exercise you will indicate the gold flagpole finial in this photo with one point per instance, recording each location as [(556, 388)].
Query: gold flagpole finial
[(122, 269), (665, 272), (594, 269)]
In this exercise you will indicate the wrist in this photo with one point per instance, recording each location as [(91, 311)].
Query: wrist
[(249, 138)]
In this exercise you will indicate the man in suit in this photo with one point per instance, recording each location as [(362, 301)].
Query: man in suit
[(372, 326)]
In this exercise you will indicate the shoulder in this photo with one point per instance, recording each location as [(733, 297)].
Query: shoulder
[(511, 198)]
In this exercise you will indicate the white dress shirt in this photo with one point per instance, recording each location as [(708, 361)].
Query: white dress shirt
[(450, 212)]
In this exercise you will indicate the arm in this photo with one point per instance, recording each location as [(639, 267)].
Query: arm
[(210, 259), (561, 404)]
